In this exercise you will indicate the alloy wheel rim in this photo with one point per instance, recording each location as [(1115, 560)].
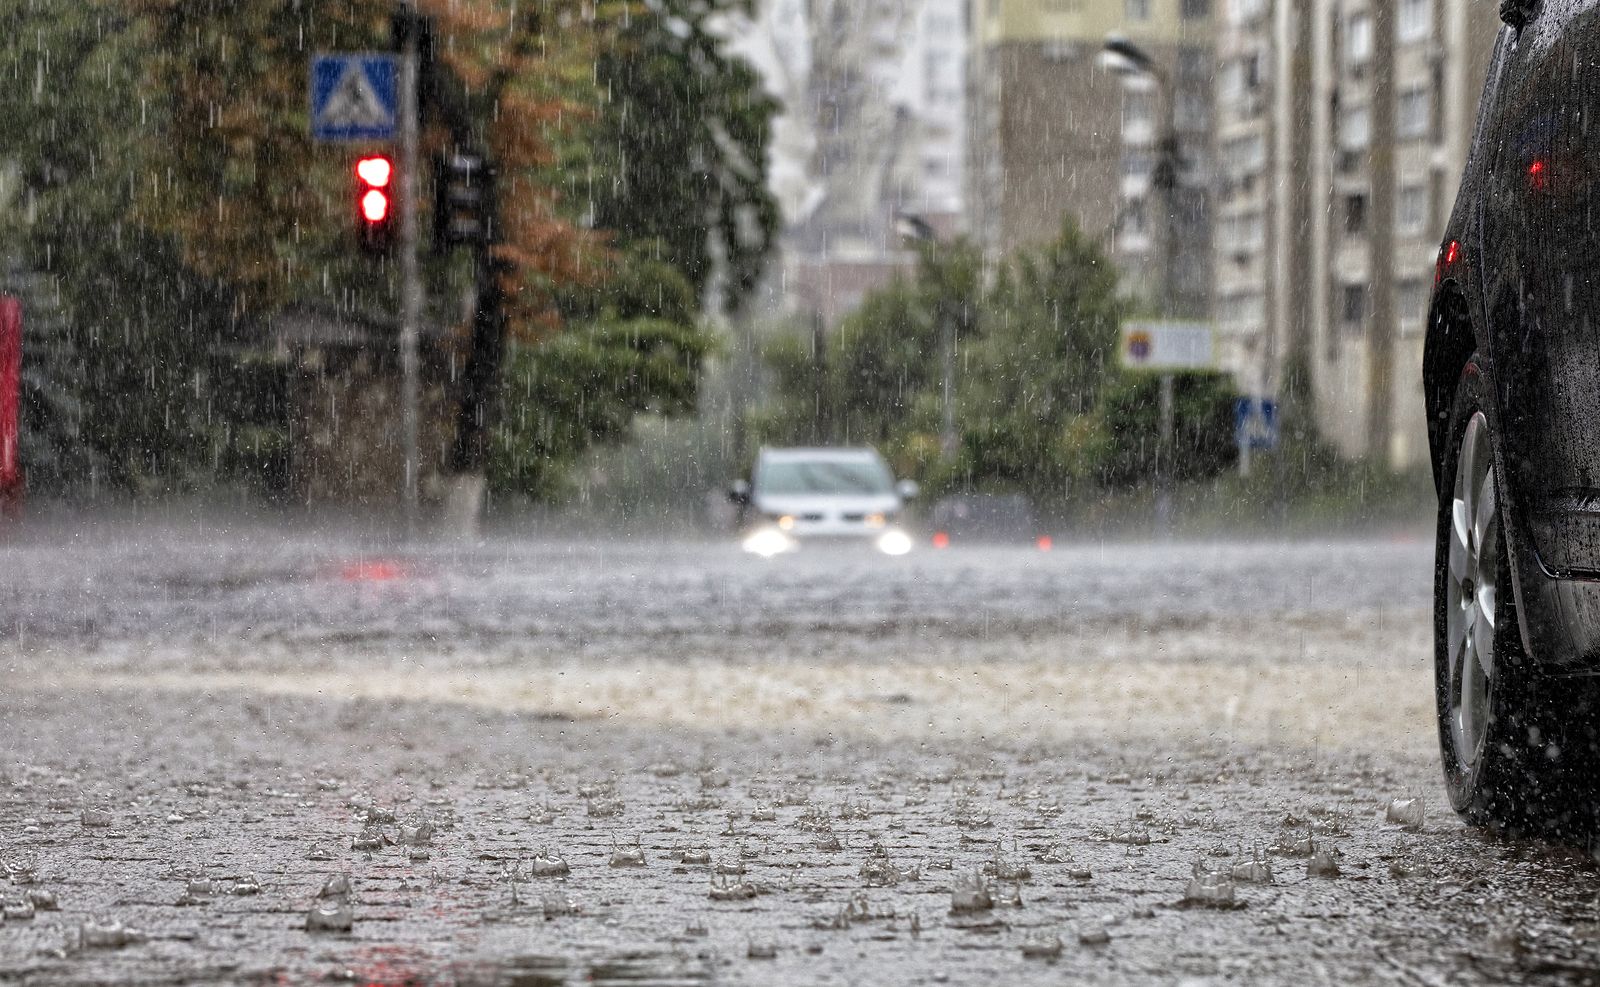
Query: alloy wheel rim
[(1472, 586)]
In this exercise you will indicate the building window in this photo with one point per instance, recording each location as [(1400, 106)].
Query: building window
[(1194, 10), (1355, 214), (1358, 39), (1193, 111), (1242, 235), (1411, 211), (1413, 114), (1135, 220), (1241, 313), (1355, 129), (1136, 10), (1244, 156), (1353, 308), (1245, 11), (1138, 167), (1411, 298), (1138, 114), (1230, 84), (1194, 65), (1415, 22)]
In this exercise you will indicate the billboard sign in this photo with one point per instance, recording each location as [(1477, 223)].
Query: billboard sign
[(1168, 346)]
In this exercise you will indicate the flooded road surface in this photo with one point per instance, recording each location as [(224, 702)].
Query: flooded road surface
[(248, 758)]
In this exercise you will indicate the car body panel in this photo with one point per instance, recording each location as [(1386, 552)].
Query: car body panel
[(1526, 223)]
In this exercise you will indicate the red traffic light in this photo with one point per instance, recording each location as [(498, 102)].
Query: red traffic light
[(374, 210), (374, 206), (375, 171)]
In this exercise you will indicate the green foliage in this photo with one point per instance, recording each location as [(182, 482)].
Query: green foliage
[(120, 306), (681, 148), (1048, 349), (1202, 435), (1041, 405), (585, 387), (171, 199), (878, 371)]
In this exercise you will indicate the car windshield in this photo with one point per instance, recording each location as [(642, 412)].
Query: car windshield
[(824, 476)]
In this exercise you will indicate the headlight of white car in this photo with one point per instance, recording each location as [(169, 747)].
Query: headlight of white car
[(894, 542), (767, 542)]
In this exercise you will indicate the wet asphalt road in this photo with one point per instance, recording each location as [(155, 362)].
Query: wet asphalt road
[(1106, 763)]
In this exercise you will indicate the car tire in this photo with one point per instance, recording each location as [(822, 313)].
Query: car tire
[(1500, 721)]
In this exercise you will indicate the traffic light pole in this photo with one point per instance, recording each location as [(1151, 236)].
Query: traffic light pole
[(410, 276)]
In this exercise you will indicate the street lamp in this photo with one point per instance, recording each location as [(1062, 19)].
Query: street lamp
[(917, 230), (1124, 58)]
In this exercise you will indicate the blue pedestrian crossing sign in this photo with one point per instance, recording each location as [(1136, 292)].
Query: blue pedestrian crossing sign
[(354, 97)]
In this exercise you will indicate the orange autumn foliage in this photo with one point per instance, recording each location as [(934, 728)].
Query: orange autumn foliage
[(234, 178)]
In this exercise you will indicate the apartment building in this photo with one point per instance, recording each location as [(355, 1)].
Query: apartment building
[(1342, 130), (1053, 133)]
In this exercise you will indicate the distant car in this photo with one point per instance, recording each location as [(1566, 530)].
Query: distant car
[(800, 494), (985, 518), (1511, 378)]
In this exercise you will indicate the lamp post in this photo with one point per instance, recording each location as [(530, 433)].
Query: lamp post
[(917, 230), (1123, 57)]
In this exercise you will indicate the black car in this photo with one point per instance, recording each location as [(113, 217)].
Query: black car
[(1512, 379)]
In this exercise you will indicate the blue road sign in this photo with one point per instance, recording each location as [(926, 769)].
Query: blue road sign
[(1255, 421), (354, 97)]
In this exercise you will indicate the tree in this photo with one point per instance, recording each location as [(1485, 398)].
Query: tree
[(1202, 432), (137, 328), (1048, 350), (632, 348), (875, 378), (680, 153), (1042, 406), (170, 189)]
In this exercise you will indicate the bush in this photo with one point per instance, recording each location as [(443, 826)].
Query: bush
[(1202, 434)]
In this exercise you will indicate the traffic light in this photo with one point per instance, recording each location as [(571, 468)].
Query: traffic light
[(464, 202), (374, 202)]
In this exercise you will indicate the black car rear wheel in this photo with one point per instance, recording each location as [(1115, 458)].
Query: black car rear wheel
[(1500, 722)]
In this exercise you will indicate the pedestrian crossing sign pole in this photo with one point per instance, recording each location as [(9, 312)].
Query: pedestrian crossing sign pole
[(371, 97)]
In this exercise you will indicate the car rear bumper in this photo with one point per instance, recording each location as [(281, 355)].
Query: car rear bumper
[(1561, 619)]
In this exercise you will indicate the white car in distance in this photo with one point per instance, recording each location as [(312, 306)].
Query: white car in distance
[(838, 493)]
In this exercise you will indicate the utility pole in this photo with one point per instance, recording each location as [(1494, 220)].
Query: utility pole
[(1123, 57), (1170, 160), (410, 276), (947, 367), (919, 231)]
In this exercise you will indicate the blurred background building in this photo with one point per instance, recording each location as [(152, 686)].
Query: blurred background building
[(874, 125), (1321, 141), (1053, 133), (1343, 127)]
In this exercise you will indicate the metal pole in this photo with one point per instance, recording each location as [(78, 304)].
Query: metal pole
[(411, 281), (947, 359), (1244, 438), (1164, 460), (1172, 154)]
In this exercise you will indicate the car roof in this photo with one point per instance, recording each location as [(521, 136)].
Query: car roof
[(822, 454)]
